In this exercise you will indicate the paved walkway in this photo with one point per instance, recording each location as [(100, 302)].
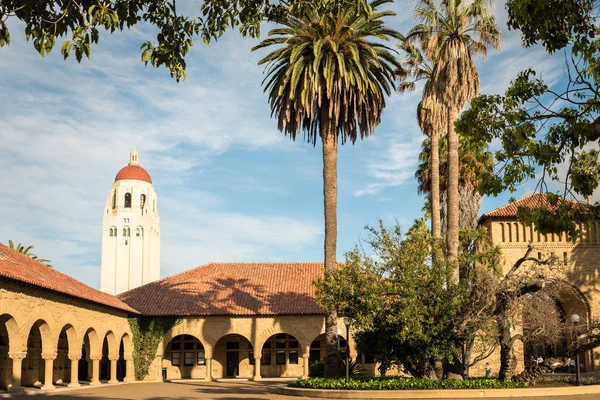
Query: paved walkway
[(187, 390)]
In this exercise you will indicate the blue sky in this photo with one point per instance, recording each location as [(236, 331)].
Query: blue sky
[(230, 186)]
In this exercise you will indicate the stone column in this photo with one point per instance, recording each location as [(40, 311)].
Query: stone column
[(113, 370), (48, 371), (129, 377), (74, 382), (17, 361), (306, 366), (257, 376), (95, 370), (208, 377)]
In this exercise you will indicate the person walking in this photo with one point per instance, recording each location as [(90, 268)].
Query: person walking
[(488, 370)]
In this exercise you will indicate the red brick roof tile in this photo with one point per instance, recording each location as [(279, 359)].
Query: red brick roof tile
[(244, 289), (134, 172), (533, 200), (19, 267)]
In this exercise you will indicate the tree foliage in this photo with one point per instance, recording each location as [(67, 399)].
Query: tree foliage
[(547, 133), (406, 309)]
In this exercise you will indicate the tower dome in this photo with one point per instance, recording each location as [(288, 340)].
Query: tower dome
[(133, 170)]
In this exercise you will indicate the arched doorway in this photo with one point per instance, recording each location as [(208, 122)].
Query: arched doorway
[(110, 355), (9, 335), (548, 326), (89, 350), (62, 364), (233, 357), (34, 366), (318, 345), (281, 357), (185, 358)]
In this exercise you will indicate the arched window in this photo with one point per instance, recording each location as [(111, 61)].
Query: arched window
[(127, 200), (126, 231), (139, 231), (142, 200), (111, 232), (114, 199)]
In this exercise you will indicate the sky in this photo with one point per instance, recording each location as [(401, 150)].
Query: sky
[(231, 187)]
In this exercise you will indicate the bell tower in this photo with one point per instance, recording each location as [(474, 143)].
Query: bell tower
[(130, 231)]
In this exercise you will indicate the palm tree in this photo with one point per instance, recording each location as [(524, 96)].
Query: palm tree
[(455, 31), (328, 77), (473, 160), (27, 251), (418, 66)]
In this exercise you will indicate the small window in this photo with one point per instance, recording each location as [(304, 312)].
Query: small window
[(281, 336), (315, 344), (267, 345), (266, 358), (175, 345), (111, 232), (293, 356), (280, 357), (189, 359), (114, 200), (127, 200), (293, 344), (201, 358), (188, 346), (233, 345), (280, 344), (176, 359)]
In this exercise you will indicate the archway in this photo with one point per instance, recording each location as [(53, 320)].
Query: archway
[(110, 355), (9, 340), (185, 358), (548, 325), (89, 354), (281, 357), (317, 349), (33, 368), (62, 364), (232, 357)]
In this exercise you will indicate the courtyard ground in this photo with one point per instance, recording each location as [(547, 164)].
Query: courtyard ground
[(188, 390)]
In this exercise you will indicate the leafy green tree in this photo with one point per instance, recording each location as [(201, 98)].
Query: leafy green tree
[(547, 134), (404, 309), (27, 251), (455, 31), (328, 77)]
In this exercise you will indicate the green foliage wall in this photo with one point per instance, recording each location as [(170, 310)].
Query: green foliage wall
[(147, 334)]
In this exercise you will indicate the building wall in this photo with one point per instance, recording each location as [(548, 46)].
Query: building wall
[(580, 268), (42, 323), (130, 237)]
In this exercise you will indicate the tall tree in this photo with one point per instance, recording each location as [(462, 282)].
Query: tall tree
[(419, 66), (328, 77), (27, 251), (474, 161), (456, 30)]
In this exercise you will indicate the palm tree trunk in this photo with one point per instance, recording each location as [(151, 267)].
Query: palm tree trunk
[(329, 138), (453, 208), (436, 230)]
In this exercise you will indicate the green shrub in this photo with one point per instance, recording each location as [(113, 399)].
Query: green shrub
[(316, 369), (399, 383)]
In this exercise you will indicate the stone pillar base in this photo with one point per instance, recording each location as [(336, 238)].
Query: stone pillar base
[(74, 385), (48, 388), (113, 382), (95, 383)]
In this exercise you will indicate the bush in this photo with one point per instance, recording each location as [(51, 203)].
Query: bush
[(317, 369), (399, 383)]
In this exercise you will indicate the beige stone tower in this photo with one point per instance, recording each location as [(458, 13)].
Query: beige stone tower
[(130, 231)]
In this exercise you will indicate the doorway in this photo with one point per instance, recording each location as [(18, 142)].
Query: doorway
[(233, 362)]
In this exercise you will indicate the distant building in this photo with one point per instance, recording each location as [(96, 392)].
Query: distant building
[(130, 231)]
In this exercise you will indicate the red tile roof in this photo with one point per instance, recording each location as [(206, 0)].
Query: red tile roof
[(533, 200), (134, 172), (19, 267), (244, 289)]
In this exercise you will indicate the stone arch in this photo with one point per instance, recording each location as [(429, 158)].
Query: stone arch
[(274, 330), (127, 345), (217, 335), (15, 340), (72, 338), (95, 346), (47, 338), (113, 345)]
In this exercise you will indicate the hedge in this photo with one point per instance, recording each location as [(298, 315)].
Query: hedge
[(399, 383)]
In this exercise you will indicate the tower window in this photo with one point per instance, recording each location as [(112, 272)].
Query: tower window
[(139, 232), (114, 199), (127, 200), (126, 231)]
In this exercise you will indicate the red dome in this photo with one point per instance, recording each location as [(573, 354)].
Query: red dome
[(134, 172)]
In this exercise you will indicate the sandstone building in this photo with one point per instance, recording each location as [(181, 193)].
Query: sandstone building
[(246, 320)]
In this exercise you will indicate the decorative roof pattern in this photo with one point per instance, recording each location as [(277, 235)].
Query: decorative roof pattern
[(243, 289), (510, 210), (134, 172), (19, 267)]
